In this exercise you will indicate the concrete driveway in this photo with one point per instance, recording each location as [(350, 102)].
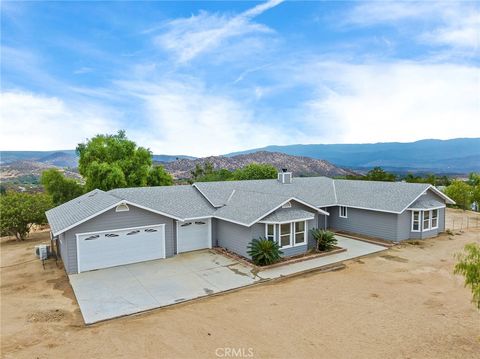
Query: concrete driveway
[(118, 291)]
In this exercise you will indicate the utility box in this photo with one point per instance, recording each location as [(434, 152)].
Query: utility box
[(42, 251)]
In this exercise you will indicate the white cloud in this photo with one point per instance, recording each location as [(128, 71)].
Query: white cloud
[(187, 38), (454, 24), (189, 119), (394, 102), (33, 122)]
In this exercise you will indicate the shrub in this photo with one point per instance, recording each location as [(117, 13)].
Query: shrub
[(468, 265), (264, 251), (325, 239)]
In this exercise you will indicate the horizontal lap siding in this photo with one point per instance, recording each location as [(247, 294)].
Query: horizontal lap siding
[(234, 237), (369, 223), (110, 220)]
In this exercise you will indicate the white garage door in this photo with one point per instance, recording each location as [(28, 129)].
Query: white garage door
[(193, 235), (117, 247)]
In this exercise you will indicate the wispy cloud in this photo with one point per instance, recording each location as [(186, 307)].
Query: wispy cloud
[(454, 24), (187, 38)]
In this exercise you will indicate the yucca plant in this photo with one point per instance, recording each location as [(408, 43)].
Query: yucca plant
[(325, 239), (264, 251)]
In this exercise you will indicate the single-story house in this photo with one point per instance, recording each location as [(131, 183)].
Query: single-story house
[(127, 225)]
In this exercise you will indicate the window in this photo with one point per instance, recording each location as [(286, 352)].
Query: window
[(300, 232), (285, 235), (200, 222), (186, 224), (91, 238), (270, 231), (426, 220), (343, 211), (149, 230), (122, 208), (434, 218), (110, 235), (132, 233), (416, 221), (287, 205)]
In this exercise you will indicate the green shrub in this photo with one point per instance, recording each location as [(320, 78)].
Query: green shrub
[(264, 251), (325, 239)]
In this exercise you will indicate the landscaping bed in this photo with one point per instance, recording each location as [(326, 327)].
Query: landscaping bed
[(284, 260)]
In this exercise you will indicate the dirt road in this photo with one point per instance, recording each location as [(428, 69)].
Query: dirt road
[(402, 303)]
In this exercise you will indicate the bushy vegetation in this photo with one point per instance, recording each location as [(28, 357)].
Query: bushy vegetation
[(325, 239), (113, 161), (61, 189), (20, 211), (468, 265), (264, 251), (207, 173), (464, 193)]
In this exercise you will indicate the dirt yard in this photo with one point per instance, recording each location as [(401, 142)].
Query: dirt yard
[(401, 303)]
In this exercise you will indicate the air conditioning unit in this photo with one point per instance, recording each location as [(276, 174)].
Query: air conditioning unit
[(42, 251)]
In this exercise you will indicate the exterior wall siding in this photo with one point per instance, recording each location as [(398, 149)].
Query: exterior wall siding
[(234, 237), (135, 217), (368, 223)]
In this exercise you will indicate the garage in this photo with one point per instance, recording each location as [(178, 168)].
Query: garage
[(193, 235), (111, 248)]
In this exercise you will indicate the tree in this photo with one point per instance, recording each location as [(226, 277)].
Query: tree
[(19, 211), (460, 192), (113, 161), (468, 265), (255, 171), (474, 179), (378, 174), (61, 189), (157, 176)]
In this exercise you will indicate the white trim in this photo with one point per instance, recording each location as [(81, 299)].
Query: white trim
[(274, 230), (209, 222), (441, 194), (419, 221), (340, 211), (204, 195), (429, 228), (194, 218), (115, 230), (290, 220), (111, 207), (425, 209)]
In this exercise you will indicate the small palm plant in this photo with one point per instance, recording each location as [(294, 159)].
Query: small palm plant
[(325, 239), (264, 251)]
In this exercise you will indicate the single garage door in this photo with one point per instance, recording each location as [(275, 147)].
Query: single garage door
[(117, 247), (193, 235)]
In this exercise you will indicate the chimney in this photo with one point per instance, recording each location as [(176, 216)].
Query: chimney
[(284, 177)]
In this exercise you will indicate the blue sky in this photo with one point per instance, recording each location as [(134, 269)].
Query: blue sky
[(205, 78)]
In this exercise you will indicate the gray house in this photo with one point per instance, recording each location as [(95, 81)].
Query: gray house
[(127, 225)]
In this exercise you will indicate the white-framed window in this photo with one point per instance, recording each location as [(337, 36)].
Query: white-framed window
[(285, 235), (434, 219), (426, 220), (270, 231), (343, 211), (300, 228), (416, 221), (122, 207)]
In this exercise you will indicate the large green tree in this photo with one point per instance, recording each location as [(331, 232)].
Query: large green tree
[(61, 189), (378, 174), (460, 192), (255, 171), (19, 211), (113, 161), (468, 265)]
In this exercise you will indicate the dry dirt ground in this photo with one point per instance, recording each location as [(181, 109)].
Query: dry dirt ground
[(402, 303)]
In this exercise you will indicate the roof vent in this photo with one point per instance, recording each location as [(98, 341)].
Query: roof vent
[(284, 176)]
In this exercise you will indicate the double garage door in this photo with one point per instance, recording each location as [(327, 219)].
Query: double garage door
[(117, 247)]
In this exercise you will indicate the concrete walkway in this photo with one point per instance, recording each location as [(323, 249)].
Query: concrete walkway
[(118, 291)]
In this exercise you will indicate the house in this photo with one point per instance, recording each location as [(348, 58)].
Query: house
[(127, 225)]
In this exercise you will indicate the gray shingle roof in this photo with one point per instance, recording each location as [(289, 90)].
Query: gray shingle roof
[(318, 191), (177, 201), (380, 196), (79, 209), (426, 203), (288, 215)]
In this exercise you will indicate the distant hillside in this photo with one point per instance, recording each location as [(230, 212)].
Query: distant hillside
[(461, 155), (300, 166), (31, 169)]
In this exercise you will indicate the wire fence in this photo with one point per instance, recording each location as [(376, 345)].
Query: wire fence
[(463, 223)]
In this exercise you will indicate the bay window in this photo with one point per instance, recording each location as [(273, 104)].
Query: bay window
[(291, 234), (424, 220)]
